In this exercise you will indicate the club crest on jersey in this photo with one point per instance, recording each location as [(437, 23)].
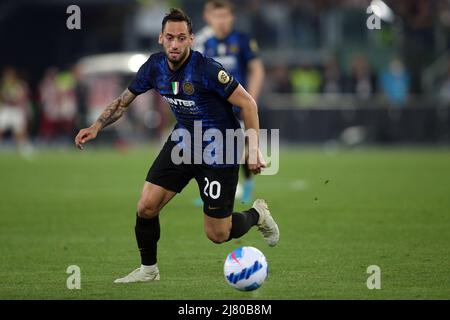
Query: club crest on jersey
[(223, 77), (188, 88), (175, 87)]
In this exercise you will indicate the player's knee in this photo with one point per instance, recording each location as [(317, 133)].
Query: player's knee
[(147, 209), (218, 236)]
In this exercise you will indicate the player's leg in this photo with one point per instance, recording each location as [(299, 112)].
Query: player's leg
[(237, 224), (249, 185), (198, 202), (164, 181), (218, 187), (234, 226), (147, 228), (217, 229), (147, 231), (5, 120), (19, 127), (2, 122)]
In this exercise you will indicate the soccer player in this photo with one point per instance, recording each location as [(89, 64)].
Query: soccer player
[(238, 54), (197, 89)]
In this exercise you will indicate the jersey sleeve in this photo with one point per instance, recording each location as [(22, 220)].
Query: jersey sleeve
[(249, 48), (142, 82), (219, 80)]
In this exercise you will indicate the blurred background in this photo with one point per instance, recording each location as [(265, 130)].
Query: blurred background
[(329, 78)]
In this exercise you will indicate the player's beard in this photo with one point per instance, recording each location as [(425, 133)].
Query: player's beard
[(176, 62)]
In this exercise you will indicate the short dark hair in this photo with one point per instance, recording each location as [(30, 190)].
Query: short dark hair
[(177, 15), (220, 4)]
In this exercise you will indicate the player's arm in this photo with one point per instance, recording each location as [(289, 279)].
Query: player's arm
[(256, 74), (111, 114), (249, 113)]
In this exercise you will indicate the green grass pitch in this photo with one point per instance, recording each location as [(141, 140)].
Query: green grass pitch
[(338, 214)]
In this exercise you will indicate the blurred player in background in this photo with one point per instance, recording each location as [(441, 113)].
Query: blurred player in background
[(206, 32), (14, 108), (238, 53), (58, 102)]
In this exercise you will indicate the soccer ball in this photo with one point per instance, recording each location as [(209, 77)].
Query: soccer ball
[(246, 268)]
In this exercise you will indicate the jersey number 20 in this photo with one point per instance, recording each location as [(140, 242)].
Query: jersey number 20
[(212, 189)]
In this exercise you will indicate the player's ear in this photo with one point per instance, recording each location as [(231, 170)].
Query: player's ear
[(160, 38)]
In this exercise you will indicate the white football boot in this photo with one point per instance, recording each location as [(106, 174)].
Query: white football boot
[(139, 275), (266, 224)]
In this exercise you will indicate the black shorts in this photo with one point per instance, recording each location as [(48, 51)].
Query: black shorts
[(217, 186)]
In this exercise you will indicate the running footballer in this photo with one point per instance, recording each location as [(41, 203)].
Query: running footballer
[(198, 90)]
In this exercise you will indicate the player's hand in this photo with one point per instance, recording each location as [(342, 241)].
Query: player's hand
[(85, 135), (255, 166)]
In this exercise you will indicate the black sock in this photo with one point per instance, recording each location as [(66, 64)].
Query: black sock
[(147, 235), (247, 172), (242, 222)]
